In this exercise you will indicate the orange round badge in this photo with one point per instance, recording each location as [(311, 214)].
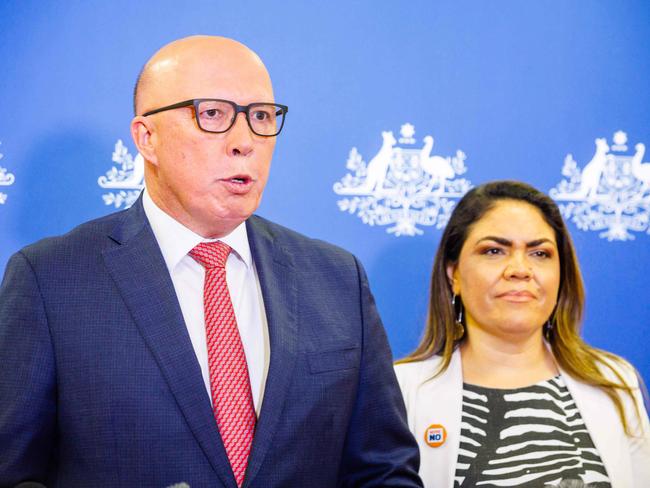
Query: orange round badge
[(435, 435)]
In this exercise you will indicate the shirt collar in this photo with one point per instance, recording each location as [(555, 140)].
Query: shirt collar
[(176, 241)]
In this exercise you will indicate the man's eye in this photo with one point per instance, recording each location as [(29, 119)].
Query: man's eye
[(211, 113), (261, 116)]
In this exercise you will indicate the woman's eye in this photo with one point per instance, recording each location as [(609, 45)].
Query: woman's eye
[(492, 251), (541, 254)]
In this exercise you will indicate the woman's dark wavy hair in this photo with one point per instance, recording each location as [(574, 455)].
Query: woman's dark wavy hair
[(574, 356)]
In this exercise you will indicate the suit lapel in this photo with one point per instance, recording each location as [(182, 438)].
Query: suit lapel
[(279, 290), (139, 271)]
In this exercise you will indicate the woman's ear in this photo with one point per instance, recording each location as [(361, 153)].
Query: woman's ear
[(453, 278)]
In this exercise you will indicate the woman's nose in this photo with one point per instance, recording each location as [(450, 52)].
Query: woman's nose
[(518, 267)]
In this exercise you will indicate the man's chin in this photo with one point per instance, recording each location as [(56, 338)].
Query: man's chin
[(223, 223)]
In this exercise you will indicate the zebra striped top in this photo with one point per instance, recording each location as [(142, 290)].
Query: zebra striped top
[(532, 436)]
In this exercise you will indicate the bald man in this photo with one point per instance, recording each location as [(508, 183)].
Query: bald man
[(186, 342)]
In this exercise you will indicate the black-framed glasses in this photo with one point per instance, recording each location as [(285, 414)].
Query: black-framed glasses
[(218, 116)]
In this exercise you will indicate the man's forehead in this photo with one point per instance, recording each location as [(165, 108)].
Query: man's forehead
[(199, 67), (200, 51)]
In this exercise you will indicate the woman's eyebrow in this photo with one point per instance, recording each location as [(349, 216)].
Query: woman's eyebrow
[(507, 242)]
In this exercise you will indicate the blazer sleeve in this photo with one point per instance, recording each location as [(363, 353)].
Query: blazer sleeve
[(379, 449), (27, 378), (637, 457), (639, 442)]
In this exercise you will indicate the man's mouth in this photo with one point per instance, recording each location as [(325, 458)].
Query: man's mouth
[(239, 184), (240, 179)]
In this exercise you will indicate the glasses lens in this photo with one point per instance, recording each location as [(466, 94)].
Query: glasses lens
[(214, 115), (266, 119)]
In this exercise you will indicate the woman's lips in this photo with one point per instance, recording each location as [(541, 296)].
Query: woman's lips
[(517, 296)]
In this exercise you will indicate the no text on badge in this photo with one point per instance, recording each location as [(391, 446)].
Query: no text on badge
[(435, 435)]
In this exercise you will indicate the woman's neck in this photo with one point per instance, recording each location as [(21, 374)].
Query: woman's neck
[(495, 362)]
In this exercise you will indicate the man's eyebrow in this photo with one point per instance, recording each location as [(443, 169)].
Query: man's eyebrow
[(507, 242)]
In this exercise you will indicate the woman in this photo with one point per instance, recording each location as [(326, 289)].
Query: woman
[(502, 391)]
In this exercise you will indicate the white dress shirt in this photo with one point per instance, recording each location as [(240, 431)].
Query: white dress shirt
[(176, 241)]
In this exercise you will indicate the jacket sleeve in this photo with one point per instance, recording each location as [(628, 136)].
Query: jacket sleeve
[(639, 442), (27, 378), (379, 449)]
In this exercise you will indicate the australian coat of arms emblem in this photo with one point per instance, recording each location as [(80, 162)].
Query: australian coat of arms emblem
[(6, 179), (405, 185), (611, 193), (126, 180)]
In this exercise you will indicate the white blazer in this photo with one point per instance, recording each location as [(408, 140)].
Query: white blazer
[(439, 401)]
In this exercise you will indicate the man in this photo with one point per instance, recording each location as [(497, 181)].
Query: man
[(130, 358)]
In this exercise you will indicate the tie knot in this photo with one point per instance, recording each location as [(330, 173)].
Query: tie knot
[(211, 254)]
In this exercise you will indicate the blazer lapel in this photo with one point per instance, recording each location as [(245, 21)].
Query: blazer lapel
[(439, 401), (604, 427), (277, 276), (139, 271)]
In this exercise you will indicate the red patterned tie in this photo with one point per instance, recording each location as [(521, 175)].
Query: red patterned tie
[(231, 390)]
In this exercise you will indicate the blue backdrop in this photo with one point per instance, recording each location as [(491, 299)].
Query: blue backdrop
[(505, 89)]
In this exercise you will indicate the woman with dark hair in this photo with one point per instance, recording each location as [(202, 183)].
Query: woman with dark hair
[(502, 390)]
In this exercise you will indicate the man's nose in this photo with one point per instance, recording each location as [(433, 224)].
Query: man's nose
[(240, 137)]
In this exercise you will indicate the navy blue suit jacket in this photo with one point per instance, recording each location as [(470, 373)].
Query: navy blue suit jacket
[(100, 386)]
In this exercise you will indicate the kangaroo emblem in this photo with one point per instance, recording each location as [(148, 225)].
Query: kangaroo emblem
[(610, 193), (593, 170), (395, 187), (376, 170), (378, 166)]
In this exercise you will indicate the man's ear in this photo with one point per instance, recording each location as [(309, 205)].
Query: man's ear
[(453, 280), (142, 131)]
